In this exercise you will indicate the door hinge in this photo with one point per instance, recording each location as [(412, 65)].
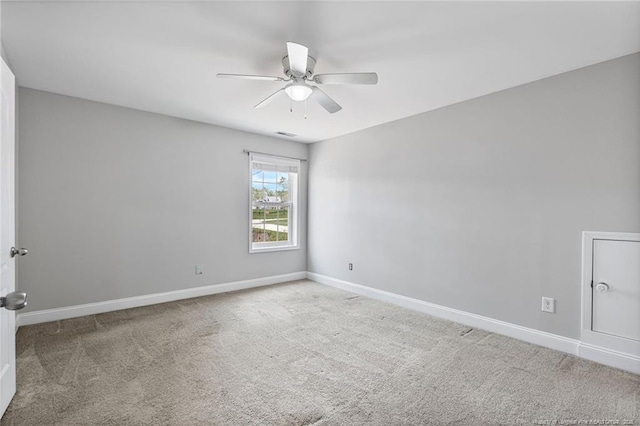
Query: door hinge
[(591, 283)]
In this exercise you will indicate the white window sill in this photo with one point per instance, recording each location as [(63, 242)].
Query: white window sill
[(253, 250)]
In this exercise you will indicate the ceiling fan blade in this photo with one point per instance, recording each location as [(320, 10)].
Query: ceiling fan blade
[(268, 99), (347, 78), (297, 58), (324, 100), (250, 77)]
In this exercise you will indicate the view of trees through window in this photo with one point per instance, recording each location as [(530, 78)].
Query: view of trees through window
[(271, 206)]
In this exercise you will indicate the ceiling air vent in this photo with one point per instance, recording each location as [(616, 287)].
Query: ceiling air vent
[(289, 135)]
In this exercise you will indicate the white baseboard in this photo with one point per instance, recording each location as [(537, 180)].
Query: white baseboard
[(598, 354), (623, 361), (609, 357), (57, 314)]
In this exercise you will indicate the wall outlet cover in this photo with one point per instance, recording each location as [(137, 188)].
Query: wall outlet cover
[(548, 305)]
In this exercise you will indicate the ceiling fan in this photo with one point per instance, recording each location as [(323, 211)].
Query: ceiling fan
[(299, 68)]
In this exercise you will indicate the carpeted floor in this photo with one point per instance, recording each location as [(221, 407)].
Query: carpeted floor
[(300, 354)]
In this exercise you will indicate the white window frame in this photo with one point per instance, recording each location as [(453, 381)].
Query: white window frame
[(293, 204)]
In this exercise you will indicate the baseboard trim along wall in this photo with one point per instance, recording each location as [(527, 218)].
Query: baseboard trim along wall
[(627, 362), (623, 361), (57, 314)]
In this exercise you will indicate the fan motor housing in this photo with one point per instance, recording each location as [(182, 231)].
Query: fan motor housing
[(311, 66)]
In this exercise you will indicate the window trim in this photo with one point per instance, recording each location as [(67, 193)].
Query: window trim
[(294, 210)]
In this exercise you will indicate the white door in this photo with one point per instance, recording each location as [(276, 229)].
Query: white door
[(616, 288), (7, 236)]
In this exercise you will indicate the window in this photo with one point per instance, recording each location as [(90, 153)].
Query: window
[(274, 203)]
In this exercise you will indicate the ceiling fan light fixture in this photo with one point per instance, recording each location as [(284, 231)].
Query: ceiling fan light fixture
[(298, 92), (299, 70)]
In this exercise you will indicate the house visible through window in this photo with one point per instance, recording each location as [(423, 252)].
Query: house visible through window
[(274, 203)]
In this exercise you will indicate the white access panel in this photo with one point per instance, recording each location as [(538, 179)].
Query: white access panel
[(616, 288)]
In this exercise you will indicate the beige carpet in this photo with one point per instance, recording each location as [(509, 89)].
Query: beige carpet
[(300, 354)]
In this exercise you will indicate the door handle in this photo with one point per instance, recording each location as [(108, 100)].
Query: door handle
[(602, 287), (14, 301), (18, 252)]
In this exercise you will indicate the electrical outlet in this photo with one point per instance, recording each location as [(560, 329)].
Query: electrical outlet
[(199, 270), (351, 266), (548, 305)]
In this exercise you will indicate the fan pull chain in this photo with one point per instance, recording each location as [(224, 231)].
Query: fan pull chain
[(290, 105), (305, 109)]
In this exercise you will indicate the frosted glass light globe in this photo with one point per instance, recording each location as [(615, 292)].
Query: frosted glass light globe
[(298, 92)]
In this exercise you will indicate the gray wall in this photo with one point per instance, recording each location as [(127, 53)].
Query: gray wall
[(3, 55), (480, 206), (115, 202), (3, 52)]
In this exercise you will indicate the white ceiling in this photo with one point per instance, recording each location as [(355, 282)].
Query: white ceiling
[(163, 56)]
